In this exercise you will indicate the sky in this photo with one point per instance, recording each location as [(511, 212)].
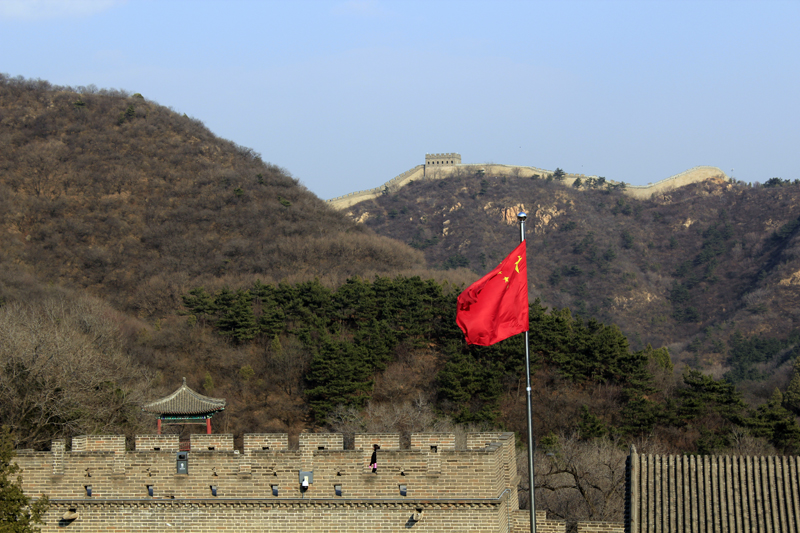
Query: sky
[(345, 95)]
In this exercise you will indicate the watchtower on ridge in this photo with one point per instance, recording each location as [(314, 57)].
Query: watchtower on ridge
[(442, 159)]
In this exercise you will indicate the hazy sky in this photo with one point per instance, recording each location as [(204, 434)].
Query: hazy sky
[(347, 94)]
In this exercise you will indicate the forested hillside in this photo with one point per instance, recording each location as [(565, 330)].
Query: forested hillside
[(710, 270), (109, 197), (108, 191)]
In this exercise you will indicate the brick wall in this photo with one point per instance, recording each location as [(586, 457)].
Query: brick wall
[(203, 516), (522, 523), (98, 443), (210, 443), (154, 443), (256, 442), (471, 490), (600, 527)]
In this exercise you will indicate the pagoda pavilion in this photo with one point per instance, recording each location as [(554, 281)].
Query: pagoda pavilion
[(185, 406)]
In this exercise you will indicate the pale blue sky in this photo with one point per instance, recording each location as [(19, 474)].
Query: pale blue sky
[(347, 94)]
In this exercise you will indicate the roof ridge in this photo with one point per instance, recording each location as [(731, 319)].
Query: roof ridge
[(185, 401)]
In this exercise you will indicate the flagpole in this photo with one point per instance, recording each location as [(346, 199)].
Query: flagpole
[(522, 217)]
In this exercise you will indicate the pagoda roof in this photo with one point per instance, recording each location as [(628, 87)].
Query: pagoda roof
[(185, 401)]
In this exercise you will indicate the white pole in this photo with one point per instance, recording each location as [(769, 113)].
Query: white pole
[(522, 217)]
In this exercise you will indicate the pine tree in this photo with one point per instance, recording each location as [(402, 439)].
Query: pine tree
[(590, 426), (340, 375), (17, 513), (238, 320), (791, 400), (200, 304), (776, 424)]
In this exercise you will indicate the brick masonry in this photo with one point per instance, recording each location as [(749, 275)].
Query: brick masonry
[(431, 486)]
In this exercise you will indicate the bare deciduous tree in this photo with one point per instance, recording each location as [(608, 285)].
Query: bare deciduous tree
[(64, 372), (578, 480)]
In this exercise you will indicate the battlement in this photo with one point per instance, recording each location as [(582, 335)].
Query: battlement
[(430, 478), (430, 468), (429, 486), (104, 443)]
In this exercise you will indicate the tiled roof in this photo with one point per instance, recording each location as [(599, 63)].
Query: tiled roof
[(185, 401), (687, 494)]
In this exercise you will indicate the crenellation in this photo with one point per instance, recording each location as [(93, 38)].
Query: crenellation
[(211, 443), (428, 441), (321, 441), (450, 158), (364, 441), (167, 443), (262, 442), (99, 443), (141, 490)]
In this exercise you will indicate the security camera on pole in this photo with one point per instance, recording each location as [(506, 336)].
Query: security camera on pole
[(496, 307)]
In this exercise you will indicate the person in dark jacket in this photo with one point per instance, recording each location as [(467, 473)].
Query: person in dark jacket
[(373, 462)]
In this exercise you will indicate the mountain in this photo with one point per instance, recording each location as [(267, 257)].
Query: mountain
[(705, 269), (116, 194), (133, 234), (137, 248), (112, 208)]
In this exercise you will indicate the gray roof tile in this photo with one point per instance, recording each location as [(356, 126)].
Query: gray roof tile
[(185, 401), (710, 494)]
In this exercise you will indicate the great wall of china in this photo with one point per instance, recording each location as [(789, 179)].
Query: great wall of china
[(430, 485), (440, 166)]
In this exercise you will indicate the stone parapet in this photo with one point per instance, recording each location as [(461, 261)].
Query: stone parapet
[(155, 443), (143, 489), (433, 442), (600, 527), (259, 442), (210, 443), (98, 443)]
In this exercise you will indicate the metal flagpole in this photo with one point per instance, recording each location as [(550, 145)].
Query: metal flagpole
[(522, 217)]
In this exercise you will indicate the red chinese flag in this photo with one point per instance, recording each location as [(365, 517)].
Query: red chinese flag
[(496, 306)]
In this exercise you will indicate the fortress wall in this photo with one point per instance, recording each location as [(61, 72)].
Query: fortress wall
[(428, 441), (345, 201), (364, 441), (481, 440), (321, 441), (522, 523), (643, 192), (99, 443), (311, 443), (167, 443), (214, 442), (288, 516), (693, 175), (445, 490), (600, 527), (263, 441), (481, 473)]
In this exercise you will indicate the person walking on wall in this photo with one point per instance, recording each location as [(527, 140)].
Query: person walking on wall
[(373, 462)]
